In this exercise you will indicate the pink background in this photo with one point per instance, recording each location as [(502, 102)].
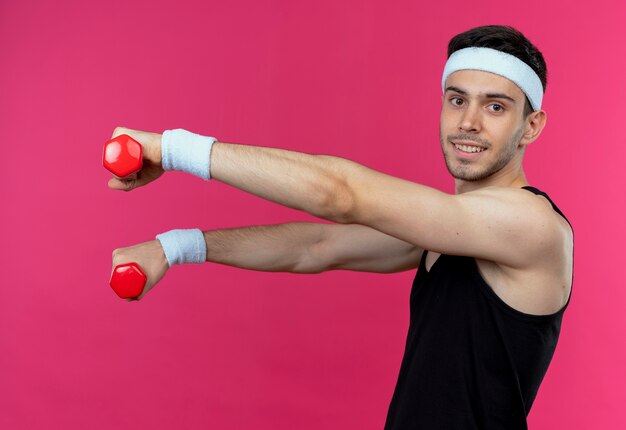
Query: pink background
[(214, 346)]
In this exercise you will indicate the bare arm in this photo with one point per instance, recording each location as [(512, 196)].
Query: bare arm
[(481, 223), (305, 247)]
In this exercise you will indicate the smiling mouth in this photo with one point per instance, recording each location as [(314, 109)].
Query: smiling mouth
[(468, 149)]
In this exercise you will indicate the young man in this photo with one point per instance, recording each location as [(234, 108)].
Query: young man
[(495, 259)]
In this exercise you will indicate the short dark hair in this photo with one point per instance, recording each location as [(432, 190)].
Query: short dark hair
[(506, 39)]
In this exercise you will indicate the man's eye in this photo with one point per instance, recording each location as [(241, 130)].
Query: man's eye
[(500, 108), (455, 99)]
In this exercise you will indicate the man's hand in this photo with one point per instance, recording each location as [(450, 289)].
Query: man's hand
[(151, 169), (150, 258)]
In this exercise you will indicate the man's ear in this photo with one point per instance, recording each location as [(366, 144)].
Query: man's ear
[(533, 127)]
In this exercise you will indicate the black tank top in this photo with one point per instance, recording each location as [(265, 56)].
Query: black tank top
[(471, 361)]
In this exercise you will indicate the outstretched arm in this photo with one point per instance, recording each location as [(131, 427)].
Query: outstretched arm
[(507, 225), (297, 247), (307, 247)]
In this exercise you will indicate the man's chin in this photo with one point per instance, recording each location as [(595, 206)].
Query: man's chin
[(465, 175)]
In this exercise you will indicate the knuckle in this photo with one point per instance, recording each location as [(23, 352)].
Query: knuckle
[(119, 130)]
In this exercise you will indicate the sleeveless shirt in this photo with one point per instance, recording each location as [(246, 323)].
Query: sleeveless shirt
[(471, 361)]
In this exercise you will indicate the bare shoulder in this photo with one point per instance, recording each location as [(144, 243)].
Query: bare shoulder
[(517, 199), (542, 286), (510, 226), (525, 224), (536, 209)]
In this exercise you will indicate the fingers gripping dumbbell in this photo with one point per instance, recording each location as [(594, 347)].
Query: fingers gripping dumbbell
[(181, 150)]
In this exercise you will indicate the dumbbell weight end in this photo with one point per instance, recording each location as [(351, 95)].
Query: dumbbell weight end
[(128, 280)]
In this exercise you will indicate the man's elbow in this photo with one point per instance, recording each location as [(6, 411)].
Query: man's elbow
[(336, 196), (337, 203)]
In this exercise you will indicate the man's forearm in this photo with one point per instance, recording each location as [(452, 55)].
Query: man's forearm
[(268, 248), (307, 182)]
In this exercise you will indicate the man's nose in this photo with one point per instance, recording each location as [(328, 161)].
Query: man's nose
[(470, 120)]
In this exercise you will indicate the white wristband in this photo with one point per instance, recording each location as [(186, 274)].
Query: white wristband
[(188, 152), (183, 246)]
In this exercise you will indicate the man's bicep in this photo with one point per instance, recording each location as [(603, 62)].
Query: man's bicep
[(499, 224), (362, 248), (510, 226)]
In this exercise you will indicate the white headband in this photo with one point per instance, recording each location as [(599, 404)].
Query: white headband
[(500, 63)]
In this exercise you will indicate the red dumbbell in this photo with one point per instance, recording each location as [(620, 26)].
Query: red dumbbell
[(122, 156), (128, 280)]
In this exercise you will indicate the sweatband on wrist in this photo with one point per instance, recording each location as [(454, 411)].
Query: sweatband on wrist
[(187, 152), (500, 63), (183, 246)]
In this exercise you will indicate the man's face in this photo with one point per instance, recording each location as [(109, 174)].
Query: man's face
[(486, 126)]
